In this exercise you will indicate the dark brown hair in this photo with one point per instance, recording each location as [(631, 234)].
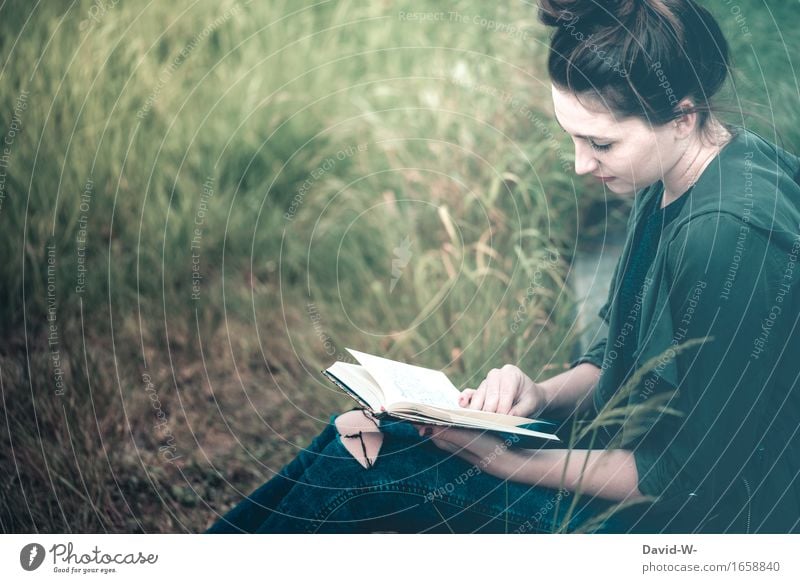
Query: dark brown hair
[(640, 57)]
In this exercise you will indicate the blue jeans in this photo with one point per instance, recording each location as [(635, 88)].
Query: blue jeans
[(413, 487)]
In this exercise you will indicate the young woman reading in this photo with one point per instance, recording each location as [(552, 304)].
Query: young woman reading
[(711, 255)]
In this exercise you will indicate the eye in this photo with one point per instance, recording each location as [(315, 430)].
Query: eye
[(600, 147)]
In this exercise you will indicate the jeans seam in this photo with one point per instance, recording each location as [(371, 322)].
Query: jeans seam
[(460, 502)]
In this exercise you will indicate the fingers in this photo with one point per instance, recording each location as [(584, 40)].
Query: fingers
[(422, 429), (509, 388), (478, 397), (439, 432), (493, 386), (466, 397), (498, 391)]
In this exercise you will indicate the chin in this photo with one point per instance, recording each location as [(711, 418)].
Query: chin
[(620, 187)]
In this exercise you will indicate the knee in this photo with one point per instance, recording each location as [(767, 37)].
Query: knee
[(360, 434)]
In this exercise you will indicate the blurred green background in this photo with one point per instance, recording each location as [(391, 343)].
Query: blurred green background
[(203, 203)]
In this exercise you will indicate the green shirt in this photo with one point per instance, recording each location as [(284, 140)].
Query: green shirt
[(727, 269)]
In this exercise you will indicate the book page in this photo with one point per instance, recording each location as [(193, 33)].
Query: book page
[(358, 380), (541, 430), (406, 382)]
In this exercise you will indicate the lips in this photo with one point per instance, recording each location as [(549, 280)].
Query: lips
[(604, 178)]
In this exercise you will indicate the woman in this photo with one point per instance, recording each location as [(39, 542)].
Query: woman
[(709, 269)]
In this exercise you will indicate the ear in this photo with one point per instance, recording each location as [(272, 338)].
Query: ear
[(686, 124)]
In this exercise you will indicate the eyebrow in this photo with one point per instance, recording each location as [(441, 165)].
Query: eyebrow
[(592, 138)]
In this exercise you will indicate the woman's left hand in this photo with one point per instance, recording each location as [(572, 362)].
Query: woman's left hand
[(479, 448)]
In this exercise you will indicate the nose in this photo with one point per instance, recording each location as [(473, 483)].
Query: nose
[(585, 161)]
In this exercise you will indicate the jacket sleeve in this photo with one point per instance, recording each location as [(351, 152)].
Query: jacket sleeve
[(724, 278)]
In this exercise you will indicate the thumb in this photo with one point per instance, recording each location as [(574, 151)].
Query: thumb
[(523, 407), (423, 429)]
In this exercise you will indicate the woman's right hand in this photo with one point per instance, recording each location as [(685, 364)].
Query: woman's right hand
[(506, 390)]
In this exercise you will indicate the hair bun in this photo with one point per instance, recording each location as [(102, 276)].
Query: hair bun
[(641, 56), (556, 12)]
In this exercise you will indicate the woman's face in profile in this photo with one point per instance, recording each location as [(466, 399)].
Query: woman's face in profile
[(627, 153)]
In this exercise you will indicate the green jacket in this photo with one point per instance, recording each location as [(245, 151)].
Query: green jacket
[(727, 268)]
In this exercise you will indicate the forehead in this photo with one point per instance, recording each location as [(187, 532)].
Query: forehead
[(584, 116)]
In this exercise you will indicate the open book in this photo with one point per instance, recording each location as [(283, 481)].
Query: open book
[(388, 387)]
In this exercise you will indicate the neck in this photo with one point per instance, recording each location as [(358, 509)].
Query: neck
[(695, 159)]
